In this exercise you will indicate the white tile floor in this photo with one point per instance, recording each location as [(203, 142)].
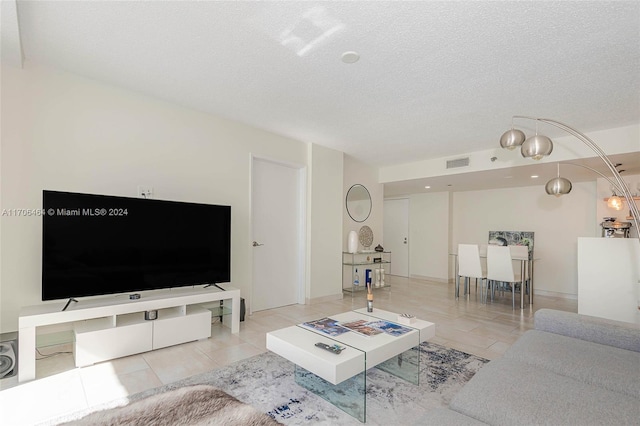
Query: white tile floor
[(60, 388)]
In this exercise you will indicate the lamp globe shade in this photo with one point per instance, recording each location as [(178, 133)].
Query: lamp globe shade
[(615, 202), (512, 138), (558, 186), (536, 147)]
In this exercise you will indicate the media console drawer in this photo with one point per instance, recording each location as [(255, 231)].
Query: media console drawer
[(172, 328), (98, 340)]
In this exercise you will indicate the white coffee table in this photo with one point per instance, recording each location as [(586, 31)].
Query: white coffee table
[(341, 378)]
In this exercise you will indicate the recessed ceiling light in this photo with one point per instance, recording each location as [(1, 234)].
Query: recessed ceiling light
[(427, 187), (350, 57), (534, 176)]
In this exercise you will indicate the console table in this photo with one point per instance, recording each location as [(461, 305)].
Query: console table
[(114, 326)]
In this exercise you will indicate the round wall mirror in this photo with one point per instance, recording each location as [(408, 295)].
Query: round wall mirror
[(358, 203)]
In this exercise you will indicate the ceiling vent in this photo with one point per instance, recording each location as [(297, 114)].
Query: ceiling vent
[(459, 162)]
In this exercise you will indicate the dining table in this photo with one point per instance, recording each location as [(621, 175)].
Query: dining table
[(526, 265)]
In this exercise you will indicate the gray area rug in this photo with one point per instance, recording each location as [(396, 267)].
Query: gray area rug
[(266, 382), (197, 405)]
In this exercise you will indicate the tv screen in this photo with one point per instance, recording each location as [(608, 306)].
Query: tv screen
[(97, 244)]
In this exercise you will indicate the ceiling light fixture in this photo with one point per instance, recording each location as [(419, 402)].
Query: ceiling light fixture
[(540, 146), (350, 57), (427, 187), (534, 176)]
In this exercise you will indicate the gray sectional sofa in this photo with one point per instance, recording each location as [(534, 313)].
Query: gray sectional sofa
[(570, 370)]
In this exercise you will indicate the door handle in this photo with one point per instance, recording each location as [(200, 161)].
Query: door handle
[(257, 244)]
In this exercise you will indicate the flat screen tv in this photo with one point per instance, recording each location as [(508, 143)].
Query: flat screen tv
[(97, 244)]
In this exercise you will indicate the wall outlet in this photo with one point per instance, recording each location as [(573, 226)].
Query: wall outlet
[(145, 191)]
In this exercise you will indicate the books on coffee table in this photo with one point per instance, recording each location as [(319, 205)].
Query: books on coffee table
[(371, 328), (361, 327), (327, 326), (390, 327), (333, 328)]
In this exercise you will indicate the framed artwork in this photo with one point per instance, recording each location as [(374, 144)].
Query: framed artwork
[(512, 238)]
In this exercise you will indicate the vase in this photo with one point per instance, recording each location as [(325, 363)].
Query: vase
[(352, 242)]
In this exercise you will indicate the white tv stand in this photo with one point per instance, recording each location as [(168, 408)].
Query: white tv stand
[(114, 326)]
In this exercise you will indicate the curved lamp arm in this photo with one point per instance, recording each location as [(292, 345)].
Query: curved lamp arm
[(621, 184), (613, 184)]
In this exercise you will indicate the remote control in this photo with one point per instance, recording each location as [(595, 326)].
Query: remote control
[(334, 349)]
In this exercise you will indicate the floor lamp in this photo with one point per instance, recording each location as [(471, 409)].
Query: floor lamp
[(539, 146)]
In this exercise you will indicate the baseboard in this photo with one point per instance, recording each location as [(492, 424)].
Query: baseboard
[(555, 294), (11, 335), (331, 297)]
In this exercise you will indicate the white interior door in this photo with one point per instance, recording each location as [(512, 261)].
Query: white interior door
[(396, 234), (276, 228)]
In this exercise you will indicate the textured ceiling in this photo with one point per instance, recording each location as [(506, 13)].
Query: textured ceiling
[(435, 79)]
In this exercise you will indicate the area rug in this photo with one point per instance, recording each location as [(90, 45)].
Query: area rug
[(197, 405), (266, 382)]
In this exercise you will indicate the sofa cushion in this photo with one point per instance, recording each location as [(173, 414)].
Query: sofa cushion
[(612, 368), (509, 392), (622, 335)]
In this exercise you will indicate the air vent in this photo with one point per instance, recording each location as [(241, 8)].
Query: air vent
[(459, 162)]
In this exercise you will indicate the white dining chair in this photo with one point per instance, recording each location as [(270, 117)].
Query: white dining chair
[(500, 269), (470, 266), (517, 254)]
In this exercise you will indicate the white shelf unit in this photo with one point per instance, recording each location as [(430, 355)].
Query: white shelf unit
[(112, 326), (363, 261)]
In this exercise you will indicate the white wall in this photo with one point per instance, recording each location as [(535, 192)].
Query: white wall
[(357, 172), (325, 223), (429, 231), (62, 132), (556, 222), (440, 221)]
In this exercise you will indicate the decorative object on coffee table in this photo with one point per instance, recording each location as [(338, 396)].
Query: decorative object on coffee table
[(406, 319), (366, 238)]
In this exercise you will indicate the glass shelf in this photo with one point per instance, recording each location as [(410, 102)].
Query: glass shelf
[(352, 262)]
